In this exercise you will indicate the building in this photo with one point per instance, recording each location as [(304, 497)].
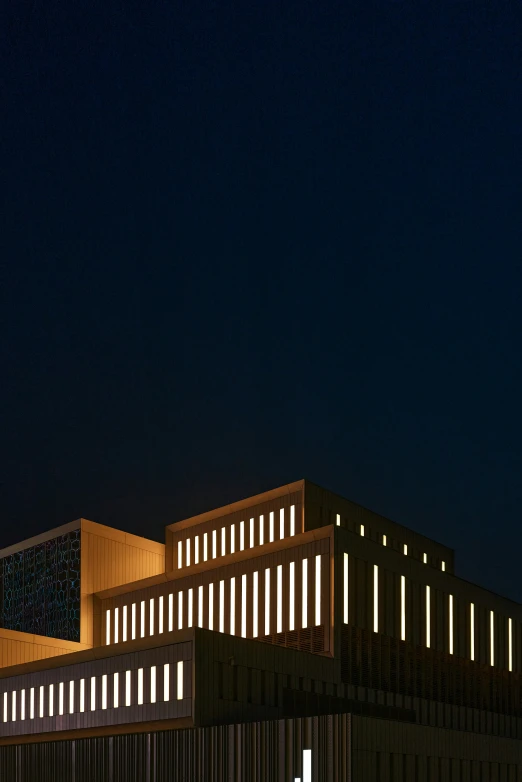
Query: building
[(291, 635)]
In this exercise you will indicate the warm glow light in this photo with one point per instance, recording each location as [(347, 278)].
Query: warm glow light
[(133, 621), (190, 599), (41, 700), (214, 543), (281, 523), (221, 606), (107, 627), (205, 547), (307, 765), (271, 526), (472, 631), (116, 617), (104, 691), (233, 539), (82, 695), (318, 589), (13, 706), (127, 688), (180, 554), (180, 680), (362, 530), (31, 704), (151, 616), (124, 628), (338, 519), (71, 697), (93, 693), (153, 684), (200, 606), (425, 559), (375, 598), (251, 533), (405, 549), (428, 617), (492, 638), (243, 605), (116, 690), (510, 644), (188, 551), (166, 682), (384, 540), (279, 598), (22, 705), (160, 614), (60, 699), (403, 608), (211, 606), (450, 612), (232, 606), (305, 593), (292, 520), (291, 624), (242, 536), (255, 601), (140, 686), (443, 565), (142, 618), (223, 541), (261, 530), (5, 706), (345, 587), (180, 610), (196, 550), (51, 700), (267, 601)]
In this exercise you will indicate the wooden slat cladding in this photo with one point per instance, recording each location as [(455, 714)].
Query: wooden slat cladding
[(228, 606), (50, 705), (387, 664), (230, 522), (270, 751)]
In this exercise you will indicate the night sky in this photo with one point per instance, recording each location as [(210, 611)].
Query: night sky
[(246, 243)]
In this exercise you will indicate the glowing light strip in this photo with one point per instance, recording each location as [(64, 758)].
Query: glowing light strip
[(196, 550), (133, 621), (492, 637), (443, 565), (450, 624), (251, 533), (127, 688), (31, 703), (171, 612), (223, 541), (116, 690), (384, 540), (243, 605), (140, 686), (345, 587), (71, 697), (205, 547), (166, 682), (233, 606), (22, 705), (142, 619), (190, 601), (180, 680), (305, 593), (472, 630), (200, 606), (153, 684), (180, 554), (307, 765), (428, 617), (256, 601), (233, 539), (160, 614), (338, 519), (267, 601), (362, 530), (403, 608), (405, 549), (93, 695), (375, 598), (104, 691), (279, 598), (221, 606), (242, 536), (211, 606), (425, 558), (188, 552), (261, 530), (151, 616), (271, 526), (214, 543), (317, 590), (292, 597), (180, 610), (60, 699), (281, 523), (124, 628), (510, 644), (82, 695), (116, 617), (42, 700), (107, 627), (292, 520)]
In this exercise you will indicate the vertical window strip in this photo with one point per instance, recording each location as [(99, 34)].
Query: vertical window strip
[(31, 704), (124, 627), (243, 605), (151, 616), (196, 550), (281, 523), (428, 616), (492, 638), (443, 565), (267, 601), (251, 533), (403, 608), (221, 606), (472, 630), (205, 547), (425, 558), (232, 606), (510, 644), (153, 684), (362, 530), (166, 682), (384, 540), (450, 619), (318, 590), (71, 697), (233, 539), (200, 606), (127, 688), (305, 593), (22, 705), (42, 696), (292, 520), (140, 686), (60, 698), (104, 691), (116, 690), (188, 551), (180, 554), (345, 588), (405, 549), (190, 606), (160, 614), (107, 627), (142, 619), (271, 526), (116, 619), (338, 519), (180, 610), (255, 604), (223, 541), (211, 606), (133, 621), (180, 681), (291, 619), (5, 707), (261, 530), (93, 693), (279, 598), (13, 706), (171, 612), (375, 598), (242, 536), (51, 700), (82, 696), (214, 543)]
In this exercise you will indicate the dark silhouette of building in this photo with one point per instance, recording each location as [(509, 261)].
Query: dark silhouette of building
[(291, 635)]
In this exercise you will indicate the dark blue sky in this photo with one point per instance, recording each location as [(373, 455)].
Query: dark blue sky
[(247, 243)]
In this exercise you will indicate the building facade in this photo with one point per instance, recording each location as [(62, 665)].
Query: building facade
[(290, 636)]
